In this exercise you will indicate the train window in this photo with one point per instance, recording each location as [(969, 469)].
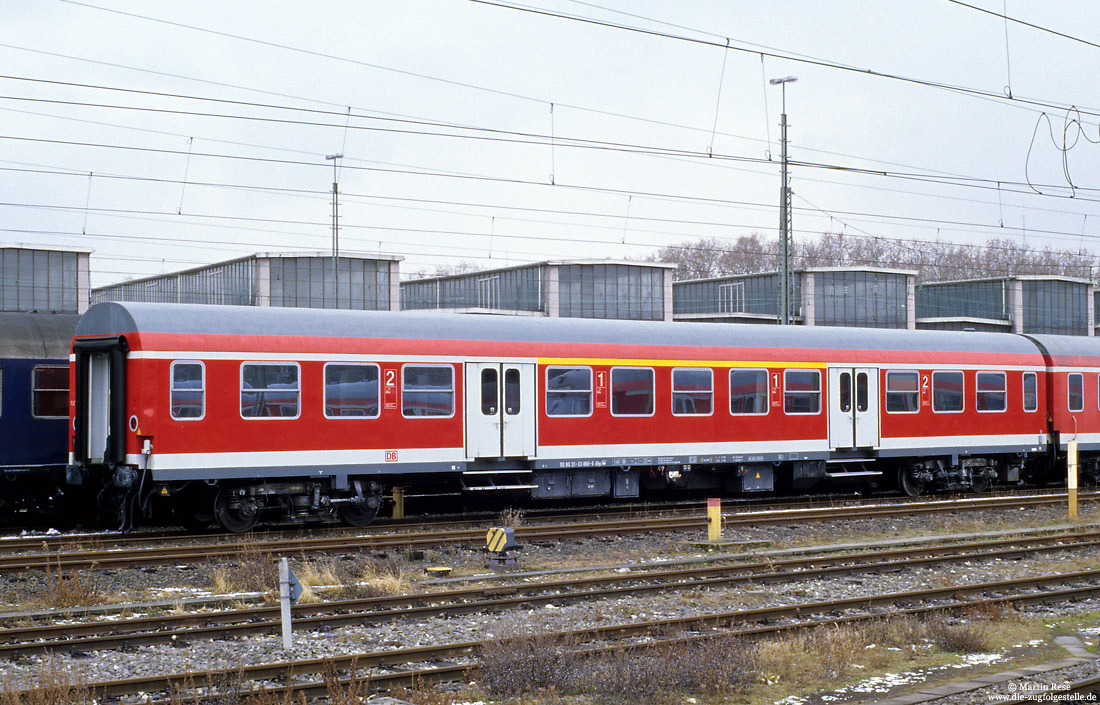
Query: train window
[(631, 391), (1031, 397), (511, 392), (489, 392), (861, 392), (427, 390), (1075, 390), (269, 390), (50, 392), (990, 391), (748, 392), (802, 392), (947, 391), (902, 392), (351, 391), (692, 391), (187, 398), (568, 391), (846, 392)]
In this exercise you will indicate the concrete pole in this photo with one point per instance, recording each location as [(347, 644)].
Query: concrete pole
[(284, 602), (1071, 477)]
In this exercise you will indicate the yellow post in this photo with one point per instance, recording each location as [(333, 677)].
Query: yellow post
[(398, 502), (714, 519), (1071, 477)]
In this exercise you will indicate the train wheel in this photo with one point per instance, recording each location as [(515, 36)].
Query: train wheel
[(193, 507), (909, 480), (234, 512), (355, 514), (980, 483)]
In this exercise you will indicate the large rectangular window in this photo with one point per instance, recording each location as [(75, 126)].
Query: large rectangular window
[(269, 390), (692, 391), (947, 391), (802, 392), (427, 390), (990, 391), (731, 297), (50, 392), (188, 398), (568, 391), (351, 390), (631, 391), (1031, 397), (1075, 391), (748, 392), (902, 392)]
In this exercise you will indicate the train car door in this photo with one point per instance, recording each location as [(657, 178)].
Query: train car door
[(99, 429), (500, 410), (853, 408)]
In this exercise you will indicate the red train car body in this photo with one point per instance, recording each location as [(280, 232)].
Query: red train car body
[(234, 410)]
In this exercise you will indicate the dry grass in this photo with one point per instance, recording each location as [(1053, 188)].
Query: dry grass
[(321, 573), (808, 657), (73, 589), (520, 664), (832, 653), (56, 686), (957, 637), (386, 577), (511, 517), (254, 570), (318, 573), (257, 571)]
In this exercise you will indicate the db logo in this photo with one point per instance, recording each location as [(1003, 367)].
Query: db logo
[(391, 456)]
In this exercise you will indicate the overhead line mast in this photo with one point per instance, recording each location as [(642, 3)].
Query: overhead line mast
[(785, 210)]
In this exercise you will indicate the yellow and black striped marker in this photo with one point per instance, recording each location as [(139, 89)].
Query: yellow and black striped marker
[(500, 539)]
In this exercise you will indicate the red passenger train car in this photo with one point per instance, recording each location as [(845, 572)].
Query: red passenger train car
[(232, 411)]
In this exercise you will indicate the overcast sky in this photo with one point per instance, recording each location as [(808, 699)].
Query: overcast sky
[(165, 135)]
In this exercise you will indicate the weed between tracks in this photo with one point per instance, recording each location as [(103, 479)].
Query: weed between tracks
[(56, 686), (534, 668), (256, 570), (519, 666), (75, 588)]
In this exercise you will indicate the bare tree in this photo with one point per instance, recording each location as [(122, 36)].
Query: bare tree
[(933, 261), (442, 270)]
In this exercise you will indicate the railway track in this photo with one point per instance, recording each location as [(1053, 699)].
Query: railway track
[(75, 555), (384, 668), (56, 541), (173, 628)]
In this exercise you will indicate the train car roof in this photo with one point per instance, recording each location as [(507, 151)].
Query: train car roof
[(37, 336), (1069, 349), (116, 318)]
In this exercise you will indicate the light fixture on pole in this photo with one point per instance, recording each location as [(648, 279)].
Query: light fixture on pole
[(785, 293), (335, 234)]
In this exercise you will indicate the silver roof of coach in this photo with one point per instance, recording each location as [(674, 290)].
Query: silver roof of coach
[(118, 318)]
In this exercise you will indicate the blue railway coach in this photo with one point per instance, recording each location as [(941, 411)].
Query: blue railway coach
[(34, 408)]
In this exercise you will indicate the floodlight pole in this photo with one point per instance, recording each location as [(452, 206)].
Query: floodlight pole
[(335, 234), (785, 278)]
